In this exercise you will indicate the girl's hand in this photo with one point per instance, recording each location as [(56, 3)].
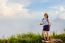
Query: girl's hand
[(41, 23)]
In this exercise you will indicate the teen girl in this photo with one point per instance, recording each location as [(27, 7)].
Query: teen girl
[(46, 26)]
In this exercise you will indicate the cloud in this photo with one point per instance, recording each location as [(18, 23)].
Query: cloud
[(50, 1), (24, 2), (60, 12), (44, 1), (13, 9), (56, 12)]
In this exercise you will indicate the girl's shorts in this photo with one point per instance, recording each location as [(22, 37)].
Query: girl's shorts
[(46, 28)]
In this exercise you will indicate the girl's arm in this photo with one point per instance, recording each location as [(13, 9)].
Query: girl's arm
[(41, 22)]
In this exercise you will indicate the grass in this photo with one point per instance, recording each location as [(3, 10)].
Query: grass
[(30, 38)]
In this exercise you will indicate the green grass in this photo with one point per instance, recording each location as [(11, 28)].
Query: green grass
[(60, 36), (30, 38)]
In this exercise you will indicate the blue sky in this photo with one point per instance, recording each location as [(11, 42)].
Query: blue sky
[(44, 4), (22, 16)]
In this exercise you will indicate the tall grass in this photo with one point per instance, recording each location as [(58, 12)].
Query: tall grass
[(60, 36), (30, 38), (23, 38)]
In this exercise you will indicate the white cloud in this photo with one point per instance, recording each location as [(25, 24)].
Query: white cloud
[(13, 9), (24, 2), (44, 1), (56, 11), (60, 11)]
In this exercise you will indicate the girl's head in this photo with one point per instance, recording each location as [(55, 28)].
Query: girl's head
[(45, 15)]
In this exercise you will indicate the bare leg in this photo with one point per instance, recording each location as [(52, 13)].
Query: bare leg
[(47, 35), (44, 34)]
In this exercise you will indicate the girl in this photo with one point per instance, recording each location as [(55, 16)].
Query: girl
[(46, 26)]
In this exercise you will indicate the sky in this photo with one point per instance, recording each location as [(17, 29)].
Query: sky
[(23, 16)]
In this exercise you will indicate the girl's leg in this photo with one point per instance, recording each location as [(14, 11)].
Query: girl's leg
[(44, 34), (47, 35)]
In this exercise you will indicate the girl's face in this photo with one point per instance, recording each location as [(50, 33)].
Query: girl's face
[(45, 16)]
